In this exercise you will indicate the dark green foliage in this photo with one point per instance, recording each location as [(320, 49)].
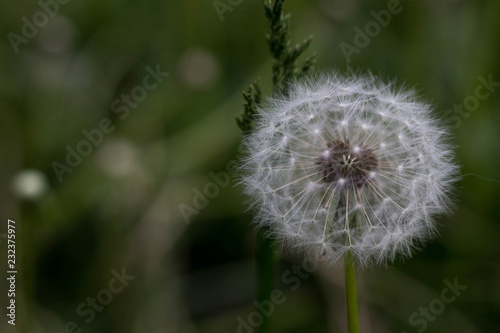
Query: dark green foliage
[(285, 57), (284, 66), (252, 100)]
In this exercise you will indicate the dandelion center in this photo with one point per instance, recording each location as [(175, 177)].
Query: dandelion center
[(343, 163)]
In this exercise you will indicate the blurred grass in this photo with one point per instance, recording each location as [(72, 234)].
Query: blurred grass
[(120, 206)]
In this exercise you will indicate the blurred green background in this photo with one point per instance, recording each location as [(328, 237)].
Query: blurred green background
[(120, 206)]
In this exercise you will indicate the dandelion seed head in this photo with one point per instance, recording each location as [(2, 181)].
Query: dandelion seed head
[(363, 167)]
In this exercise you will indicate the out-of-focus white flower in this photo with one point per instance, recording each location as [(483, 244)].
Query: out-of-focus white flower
[(348, 164), (199, 68), (29, 184), (59, 35), (118, 158)]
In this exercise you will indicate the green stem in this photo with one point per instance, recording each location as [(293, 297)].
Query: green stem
[(351, 295), (266, 258)]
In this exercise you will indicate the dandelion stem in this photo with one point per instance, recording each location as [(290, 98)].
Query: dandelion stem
[(266, 259), (351, 295)]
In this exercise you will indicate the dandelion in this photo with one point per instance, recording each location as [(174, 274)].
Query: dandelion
[(30, 184), (348, 166)]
